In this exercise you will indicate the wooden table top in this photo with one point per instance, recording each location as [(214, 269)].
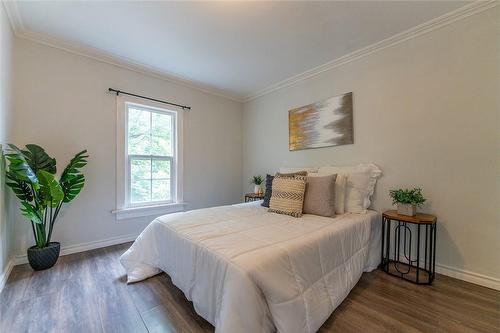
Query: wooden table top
[(419, 218), (254, 195)]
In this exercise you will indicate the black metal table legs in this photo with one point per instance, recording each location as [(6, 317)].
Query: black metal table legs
[(397, 256)]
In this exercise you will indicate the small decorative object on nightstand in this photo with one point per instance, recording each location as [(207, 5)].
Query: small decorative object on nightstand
[(253, 197), (407, 200), (397, 257), (257, 181)]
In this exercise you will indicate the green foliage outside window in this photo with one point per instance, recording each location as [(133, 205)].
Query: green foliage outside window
[(150, 150)]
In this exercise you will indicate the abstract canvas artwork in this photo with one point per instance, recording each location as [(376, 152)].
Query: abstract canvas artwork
[(321, 124)]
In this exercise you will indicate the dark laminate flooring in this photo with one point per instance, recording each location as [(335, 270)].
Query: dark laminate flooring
[(86, 292)]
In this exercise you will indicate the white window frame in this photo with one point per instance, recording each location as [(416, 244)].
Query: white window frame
[(124, 208)]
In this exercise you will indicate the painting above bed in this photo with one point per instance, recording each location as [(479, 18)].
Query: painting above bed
[(321, 124)]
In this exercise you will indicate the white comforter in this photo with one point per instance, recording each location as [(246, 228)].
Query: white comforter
[(247, 270)]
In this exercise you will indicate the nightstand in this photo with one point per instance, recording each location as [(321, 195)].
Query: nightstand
[(253, 197), (409, 235)]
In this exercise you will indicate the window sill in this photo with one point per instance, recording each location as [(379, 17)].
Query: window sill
[(157, 210)]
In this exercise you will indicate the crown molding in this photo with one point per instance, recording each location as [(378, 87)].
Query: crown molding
[(441, 21), (20, 31), (12, 11), (123, 62)]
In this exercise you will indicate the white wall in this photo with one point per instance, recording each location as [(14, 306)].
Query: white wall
[(6, 228), (427, 112), (61, 103)]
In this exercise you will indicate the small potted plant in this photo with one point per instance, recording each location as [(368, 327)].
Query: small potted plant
[(407, 200), (31, 174), (257, 181)]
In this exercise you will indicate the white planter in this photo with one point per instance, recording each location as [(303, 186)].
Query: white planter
[(407, 209), (257, 189)]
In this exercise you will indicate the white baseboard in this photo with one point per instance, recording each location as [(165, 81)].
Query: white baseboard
[(480, 279), (5, 274), (22, 259), (468, 276)]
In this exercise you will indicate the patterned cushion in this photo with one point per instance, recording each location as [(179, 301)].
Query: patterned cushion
[(288, 195), (269, 185), (269, 191)]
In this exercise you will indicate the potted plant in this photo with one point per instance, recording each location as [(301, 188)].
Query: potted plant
[(257, 181), (407, 200), (31, 174)]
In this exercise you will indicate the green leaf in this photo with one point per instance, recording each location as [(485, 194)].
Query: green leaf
[(29, 211), (72, 187), (76, 163), (19, 167), (38, 159), (72, 180), (50, 188), (20, 188)]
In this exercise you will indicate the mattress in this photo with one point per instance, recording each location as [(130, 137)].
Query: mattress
[(248, 270)]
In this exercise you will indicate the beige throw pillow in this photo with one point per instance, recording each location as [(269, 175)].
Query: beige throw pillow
[(340, 189), (288, 195), (319, 196)]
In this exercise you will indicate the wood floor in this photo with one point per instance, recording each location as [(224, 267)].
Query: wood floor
[(86, 292)]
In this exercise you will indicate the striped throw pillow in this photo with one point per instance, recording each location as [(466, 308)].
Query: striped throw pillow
[(288, 195)]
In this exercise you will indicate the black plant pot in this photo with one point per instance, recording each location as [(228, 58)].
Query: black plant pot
[(44, 258)]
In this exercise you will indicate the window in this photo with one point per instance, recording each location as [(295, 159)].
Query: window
[(151, 155), (149, 160)]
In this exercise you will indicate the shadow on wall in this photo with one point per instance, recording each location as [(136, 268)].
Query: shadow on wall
[(6, 223), (451, 250), (444, 239)]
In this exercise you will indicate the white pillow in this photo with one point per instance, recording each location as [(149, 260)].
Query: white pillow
[(340, 190), (361, 180), (292, 170), (350, 168)]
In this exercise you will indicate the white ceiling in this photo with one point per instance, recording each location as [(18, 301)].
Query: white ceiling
[(237, 48)]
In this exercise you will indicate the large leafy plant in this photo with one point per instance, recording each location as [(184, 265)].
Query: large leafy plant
[(407, 196), (31, 174)]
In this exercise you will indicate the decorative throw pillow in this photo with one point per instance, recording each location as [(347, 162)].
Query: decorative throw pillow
[(319, 198), (269, 185), (340, 189), (269, 191), (288, 195)]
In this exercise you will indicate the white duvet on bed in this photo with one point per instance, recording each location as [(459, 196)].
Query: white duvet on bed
[(248, 270)]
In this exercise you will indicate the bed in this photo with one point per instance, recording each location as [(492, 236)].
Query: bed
[(248, 270)]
